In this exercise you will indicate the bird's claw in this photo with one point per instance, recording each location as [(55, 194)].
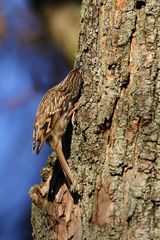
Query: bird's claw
[(72, 113)]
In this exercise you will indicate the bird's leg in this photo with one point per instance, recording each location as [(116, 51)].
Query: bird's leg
[(72, 113), (67, 172)]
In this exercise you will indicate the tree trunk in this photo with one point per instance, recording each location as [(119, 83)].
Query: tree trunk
[(115, 148)]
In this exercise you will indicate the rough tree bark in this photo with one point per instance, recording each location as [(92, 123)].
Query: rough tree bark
[(115, 148)]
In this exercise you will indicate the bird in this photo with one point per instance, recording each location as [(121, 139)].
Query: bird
[(53, 115)]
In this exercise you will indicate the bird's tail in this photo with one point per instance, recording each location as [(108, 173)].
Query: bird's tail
[(63, 162)]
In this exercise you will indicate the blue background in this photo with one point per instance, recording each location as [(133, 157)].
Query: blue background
[(26, 72)]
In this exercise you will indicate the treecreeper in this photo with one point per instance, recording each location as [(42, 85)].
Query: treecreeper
[(53, 115)]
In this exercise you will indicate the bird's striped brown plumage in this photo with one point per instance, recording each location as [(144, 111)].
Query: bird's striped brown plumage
[(53, 115)]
